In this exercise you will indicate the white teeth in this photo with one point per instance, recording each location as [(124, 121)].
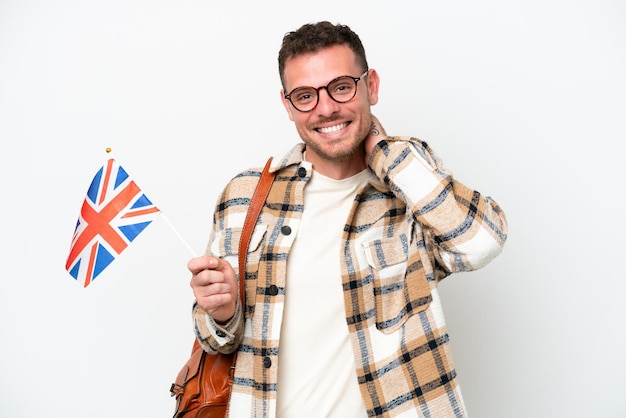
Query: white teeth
[(332, 129)]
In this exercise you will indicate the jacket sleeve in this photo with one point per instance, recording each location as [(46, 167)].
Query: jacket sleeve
[(465, 229), (214, 337)]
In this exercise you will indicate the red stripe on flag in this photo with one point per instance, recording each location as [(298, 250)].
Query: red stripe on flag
[(105, 183), (92, 263), (98, 223), (141, 212)]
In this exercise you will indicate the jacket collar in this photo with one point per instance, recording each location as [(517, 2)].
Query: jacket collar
[(295, 156)]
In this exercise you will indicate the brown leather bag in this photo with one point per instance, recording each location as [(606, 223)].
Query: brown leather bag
[(203, 386)]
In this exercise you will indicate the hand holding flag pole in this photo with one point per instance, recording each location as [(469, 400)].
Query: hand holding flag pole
[(114, 212)]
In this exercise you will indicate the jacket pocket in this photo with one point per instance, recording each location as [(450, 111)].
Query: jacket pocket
[(399, 291), (226, 245)]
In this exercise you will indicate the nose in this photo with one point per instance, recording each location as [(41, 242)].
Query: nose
[(326, 105)]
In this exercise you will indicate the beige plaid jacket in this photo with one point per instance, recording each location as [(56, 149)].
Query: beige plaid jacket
[(405, 232)]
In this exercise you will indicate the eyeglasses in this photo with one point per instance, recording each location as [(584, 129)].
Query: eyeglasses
[(341, 89)]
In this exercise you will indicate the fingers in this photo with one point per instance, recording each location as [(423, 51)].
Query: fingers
[(206, 270), (207, 277), (196, 265), (217, 299), (214, 285), (215, 291)]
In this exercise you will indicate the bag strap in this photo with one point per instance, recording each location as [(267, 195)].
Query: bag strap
[(256, 204)]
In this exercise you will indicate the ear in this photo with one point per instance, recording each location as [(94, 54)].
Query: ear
[(373, 81), (287, 105)]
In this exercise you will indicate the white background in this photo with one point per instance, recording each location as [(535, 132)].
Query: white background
[(523, 100)]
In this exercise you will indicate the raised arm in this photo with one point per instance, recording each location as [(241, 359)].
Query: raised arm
[(466, 229)]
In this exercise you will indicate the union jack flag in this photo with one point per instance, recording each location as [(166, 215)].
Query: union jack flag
[(113, 214)]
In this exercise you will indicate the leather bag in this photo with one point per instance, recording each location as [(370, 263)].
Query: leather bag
[(203, 386)]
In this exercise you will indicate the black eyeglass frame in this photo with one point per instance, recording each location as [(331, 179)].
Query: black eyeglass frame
[(317, 90)]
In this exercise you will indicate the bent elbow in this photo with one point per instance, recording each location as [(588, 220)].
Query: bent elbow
[(473, 254)]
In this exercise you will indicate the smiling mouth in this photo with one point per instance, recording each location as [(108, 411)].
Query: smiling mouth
[(331, 129)]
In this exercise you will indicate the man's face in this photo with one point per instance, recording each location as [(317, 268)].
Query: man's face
[(333, 132)]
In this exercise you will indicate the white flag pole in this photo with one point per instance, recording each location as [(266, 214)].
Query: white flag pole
[(193, 254)]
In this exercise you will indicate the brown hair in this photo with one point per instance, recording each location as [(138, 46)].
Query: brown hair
[(312, 37)]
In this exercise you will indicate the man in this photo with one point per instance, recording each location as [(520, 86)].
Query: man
[(342, 316)]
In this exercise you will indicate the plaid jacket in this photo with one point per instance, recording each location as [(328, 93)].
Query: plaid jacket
[(404, 233)]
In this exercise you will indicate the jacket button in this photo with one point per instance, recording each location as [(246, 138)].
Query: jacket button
[(220, 333), (302, 172), (267, 362), (285, 230), (272, 290)]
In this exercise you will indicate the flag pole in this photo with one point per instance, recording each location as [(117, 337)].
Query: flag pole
[(191, 251), (193, 254)]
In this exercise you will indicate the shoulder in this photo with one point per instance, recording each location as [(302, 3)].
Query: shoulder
[(242, 184)]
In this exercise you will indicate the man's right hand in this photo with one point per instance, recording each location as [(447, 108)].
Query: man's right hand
[(214, 285)]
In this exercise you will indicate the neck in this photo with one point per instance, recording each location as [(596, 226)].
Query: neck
[(337, 169)]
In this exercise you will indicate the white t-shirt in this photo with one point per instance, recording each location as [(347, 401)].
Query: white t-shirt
[(316, 370)]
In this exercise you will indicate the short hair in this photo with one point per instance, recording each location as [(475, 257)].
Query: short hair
[(312, 37)]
